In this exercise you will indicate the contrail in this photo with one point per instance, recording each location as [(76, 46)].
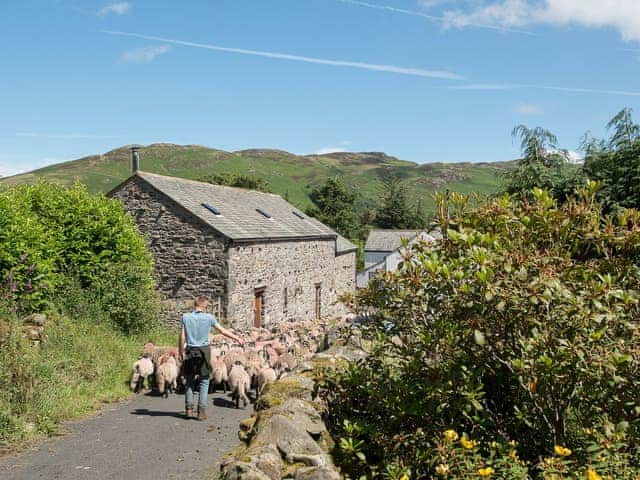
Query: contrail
[(512, 86), (416, 72), (433, 18)]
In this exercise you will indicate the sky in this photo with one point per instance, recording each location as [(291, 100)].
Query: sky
[(423, 80)]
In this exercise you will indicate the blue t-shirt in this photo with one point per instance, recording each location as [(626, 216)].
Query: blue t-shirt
[(197, 326)]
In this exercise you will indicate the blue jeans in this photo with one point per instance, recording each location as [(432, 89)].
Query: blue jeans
[(204, 392)]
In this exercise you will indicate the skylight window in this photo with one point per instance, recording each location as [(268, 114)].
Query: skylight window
[(211, 208), (263, 212), (298, 214)]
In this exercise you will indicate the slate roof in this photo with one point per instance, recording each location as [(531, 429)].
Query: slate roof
[(388, 240), (239, 218)]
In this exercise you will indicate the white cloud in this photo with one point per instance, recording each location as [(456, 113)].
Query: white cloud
[(15, 167), (622, 15), (528, 109), (119, 8), (434, 18), (416, 72), (326, 150), (144, 54), (512, 86)]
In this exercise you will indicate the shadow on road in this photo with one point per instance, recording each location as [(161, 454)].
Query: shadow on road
[(223, 402), (156, 413)]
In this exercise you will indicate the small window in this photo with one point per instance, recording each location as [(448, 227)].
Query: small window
[(298, 214), (263, 212), (211, 208), (285, 303)]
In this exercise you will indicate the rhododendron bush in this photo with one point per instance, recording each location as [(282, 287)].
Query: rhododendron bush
[(518, 333)]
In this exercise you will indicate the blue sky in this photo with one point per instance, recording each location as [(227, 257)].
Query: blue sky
[(424, 80)]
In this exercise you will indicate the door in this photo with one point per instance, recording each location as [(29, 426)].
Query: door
[(318, 300), (258, 308)]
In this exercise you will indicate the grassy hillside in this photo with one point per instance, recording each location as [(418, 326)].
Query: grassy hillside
[(286, 173)]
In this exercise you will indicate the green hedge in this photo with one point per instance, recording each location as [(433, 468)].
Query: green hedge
[(50, 233)]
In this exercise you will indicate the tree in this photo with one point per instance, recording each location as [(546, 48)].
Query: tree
[(333, 205), (395, 210), (543, 165), (538, 145), (237, 180), (624, 130)]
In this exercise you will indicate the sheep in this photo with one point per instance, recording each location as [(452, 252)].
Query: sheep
[(142, 368), (240, 384), (155, 352), (232, 357), (219, 374), (167, 376), (287, 362), (264, 377)]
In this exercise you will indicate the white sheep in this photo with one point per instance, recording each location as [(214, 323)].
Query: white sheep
[(240, 383), (142, 368), (167, 376), (264, 377), (219, 374)]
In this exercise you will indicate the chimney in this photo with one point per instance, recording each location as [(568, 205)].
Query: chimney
[(135, 159)]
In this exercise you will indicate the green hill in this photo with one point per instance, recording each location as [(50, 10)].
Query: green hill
[(287, 174)]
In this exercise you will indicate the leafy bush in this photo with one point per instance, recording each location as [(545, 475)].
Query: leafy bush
[(50, 233), (522, 325)]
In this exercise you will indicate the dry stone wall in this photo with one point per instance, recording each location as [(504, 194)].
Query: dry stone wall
[(190, 257)]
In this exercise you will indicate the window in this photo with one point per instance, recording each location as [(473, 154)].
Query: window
[(285, 303), (318, 300), (298, 214), (211, 208), (263, 212)]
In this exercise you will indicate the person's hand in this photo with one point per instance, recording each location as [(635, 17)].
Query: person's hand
[(181, 356), (240, 341)]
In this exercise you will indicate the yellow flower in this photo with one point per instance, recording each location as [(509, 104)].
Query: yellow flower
[(513, 454), (450, 435), (562, 451), (593, 475), (443, 469), (468, 444), (486, 472), (404, 477)]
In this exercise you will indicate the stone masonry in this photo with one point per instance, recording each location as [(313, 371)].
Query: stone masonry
[(190, 257), (289, 272)]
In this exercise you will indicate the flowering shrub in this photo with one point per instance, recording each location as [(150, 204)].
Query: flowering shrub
[(521, 325)]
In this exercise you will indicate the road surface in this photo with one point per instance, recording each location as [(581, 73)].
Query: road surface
[(143, 438)]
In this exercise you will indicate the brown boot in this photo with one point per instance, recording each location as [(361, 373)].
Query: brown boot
[(188, 413), (202, 414)]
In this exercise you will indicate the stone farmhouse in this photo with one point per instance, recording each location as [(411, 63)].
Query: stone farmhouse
[(383, 251), (258, 257)]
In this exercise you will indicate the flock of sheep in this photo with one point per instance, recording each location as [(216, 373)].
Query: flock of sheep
[(265, 356)]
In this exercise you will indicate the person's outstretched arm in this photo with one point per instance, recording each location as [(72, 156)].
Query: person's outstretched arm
[(228, 333), (181, 341)]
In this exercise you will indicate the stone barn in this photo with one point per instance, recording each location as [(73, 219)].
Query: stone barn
[(258, 257)]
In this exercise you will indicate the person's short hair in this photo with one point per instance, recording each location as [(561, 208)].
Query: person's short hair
[(202, 301)]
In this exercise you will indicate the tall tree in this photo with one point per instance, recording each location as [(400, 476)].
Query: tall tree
[(333, 205), (395, 210), (238, 180), (624, 130), (538, 145)]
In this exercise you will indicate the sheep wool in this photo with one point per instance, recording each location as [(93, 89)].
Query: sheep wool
[(167, 376), (240, 383), (142, 368)]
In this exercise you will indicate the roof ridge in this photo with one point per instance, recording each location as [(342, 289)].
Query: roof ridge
[(188, 180)]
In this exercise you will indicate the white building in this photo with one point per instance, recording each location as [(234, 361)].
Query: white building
[(383, 250)]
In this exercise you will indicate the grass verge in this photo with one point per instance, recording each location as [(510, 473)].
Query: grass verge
[(78, 366)]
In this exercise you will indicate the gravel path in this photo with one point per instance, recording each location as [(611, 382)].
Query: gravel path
[(144, 438)]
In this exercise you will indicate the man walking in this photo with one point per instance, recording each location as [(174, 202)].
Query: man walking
[(193, 346)]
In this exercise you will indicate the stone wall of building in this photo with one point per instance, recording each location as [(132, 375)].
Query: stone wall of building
[(345, 275), (289, 272), (190, 258)]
